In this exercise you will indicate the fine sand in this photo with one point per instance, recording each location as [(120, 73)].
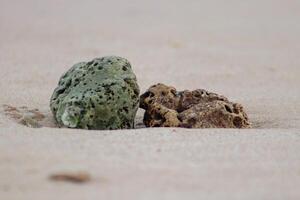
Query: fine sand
[(247, 51)]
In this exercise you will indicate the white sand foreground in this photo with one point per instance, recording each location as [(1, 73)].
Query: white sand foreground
[(245, 50)]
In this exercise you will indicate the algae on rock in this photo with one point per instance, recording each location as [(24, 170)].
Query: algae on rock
[(100, 94)]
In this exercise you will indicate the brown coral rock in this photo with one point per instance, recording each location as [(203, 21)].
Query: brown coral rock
[(165, 107)]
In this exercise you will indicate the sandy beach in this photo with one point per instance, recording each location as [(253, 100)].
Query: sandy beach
[(246, 51)]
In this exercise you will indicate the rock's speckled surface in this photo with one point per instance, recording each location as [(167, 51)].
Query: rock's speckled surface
[(100, 94), (165, 107)]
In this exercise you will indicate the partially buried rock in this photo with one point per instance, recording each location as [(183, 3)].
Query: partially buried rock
[(165, 107), (100, 94)]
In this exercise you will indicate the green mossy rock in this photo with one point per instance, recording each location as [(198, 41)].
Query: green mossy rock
[(100, 94)]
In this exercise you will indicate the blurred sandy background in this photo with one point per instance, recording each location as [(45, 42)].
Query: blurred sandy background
[(245, 50)]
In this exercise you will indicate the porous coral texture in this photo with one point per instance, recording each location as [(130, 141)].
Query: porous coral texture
[(165, 107), (100, 94)]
